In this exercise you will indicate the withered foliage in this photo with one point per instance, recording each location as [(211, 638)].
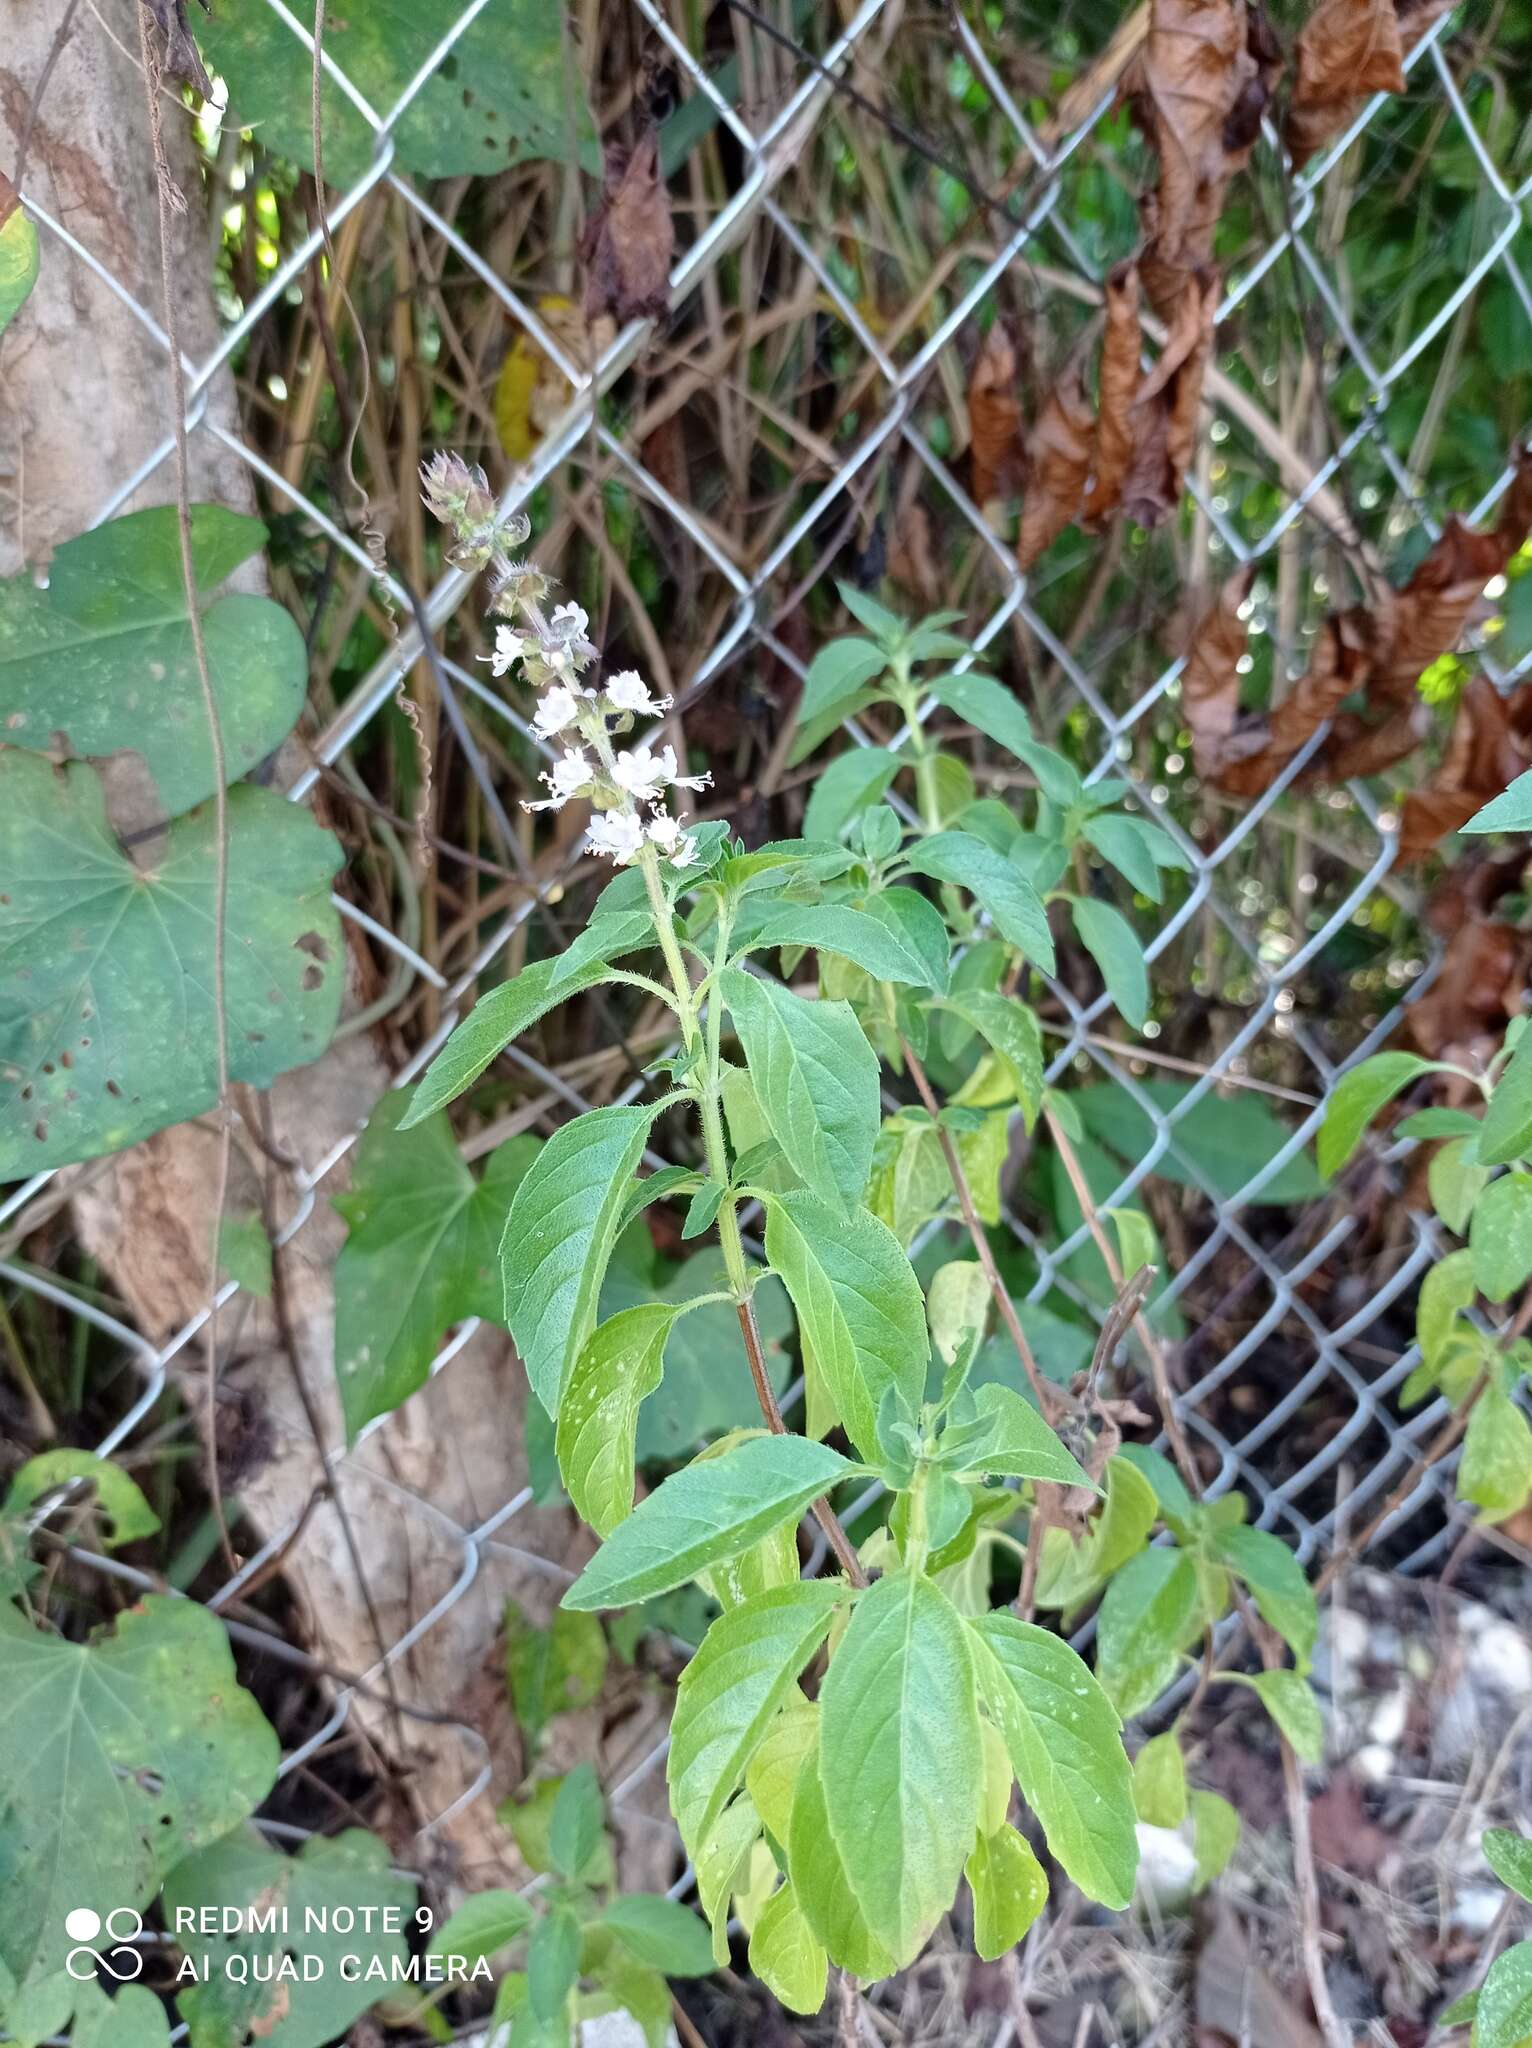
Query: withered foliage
[(181, 60), (996, 449), (629, 239), (1164, 412), (1378, 655), (1348, 49), (1205, 78), (1122, 344), (1058, 462), (1483, 978)]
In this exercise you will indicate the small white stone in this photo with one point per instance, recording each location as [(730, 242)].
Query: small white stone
[(1386, 1722), (1501, 1657), (1374, 1763), (1167, 1866), (1475, 1909)]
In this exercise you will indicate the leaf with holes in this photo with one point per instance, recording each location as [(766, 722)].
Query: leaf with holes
[(319, 1890), (420, 1254), (508, 89), (120, 1757), (100, 661), (118, 1498), (107, 1027)]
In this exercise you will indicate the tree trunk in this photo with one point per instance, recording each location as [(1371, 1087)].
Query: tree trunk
[(84, 400)]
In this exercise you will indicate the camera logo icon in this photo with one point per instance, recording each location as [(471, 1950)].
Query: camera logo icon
[(121, 1962)]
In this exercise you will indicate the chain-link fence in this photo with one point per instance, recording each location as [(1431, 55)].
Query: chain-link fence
[(1367, 1446)]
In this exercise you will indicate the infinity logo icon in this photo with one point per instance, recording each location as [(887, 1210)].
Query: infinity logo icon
[(121, 1962)]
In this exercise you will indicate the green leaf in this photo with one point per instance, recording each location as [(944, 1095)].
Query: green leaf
[(1506, 1131), (1226, 1140), (1511, 811), (1070, 1572), (771, 1777), (494, 1021), (622, 1362), (1159, 1781), (119, 1757), (996, 884), (709, 1512), (1116, 840), (785, 1955), (18, 260), (1137, 1244), (900, 1756), (135, 2018), (553, 1962), (575, 1826), (1176, 1504), (816, 1079), (482, 1926), (107, 1026), (837, 672), (720, 1865), (885, 626), (348, 1874), (659, 1932), (552, 1670), (1290, 1701), (563, 1222), (957, 1309), (1215, 1836), (603, 940), (1447, 1290), (1439, 1123), (103, 654), (1009, 1891), (845, 787), (746, 1667), (1277, 1582), (1356, 1099), (1503, 2015), (116, 1495), (835, 1908), (1148, 1616), (1500, 1236), (1495, 1471), (1010, 1029), (1456, 1180), (508, 90), (1510, 1857), (1112, 943), (420, 1254), (989, 707), (1062, 1733), (859, 1307), (876, 938), (1021, 1445)]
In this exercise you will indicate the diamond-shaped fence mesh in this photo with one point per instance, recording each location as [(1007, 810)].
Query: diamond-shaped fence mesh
[(1261, 1338)]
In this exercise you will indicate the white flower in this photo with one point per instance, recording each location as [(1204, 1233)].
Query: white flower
[(629, 692), (557, 709), (568, 622), (510, 647), (569, 775), (642, 773), (618, 834), (665, 832)]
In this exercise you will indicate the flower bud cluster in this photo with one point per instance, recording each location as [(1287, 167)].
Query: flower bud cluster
[(552, 651)]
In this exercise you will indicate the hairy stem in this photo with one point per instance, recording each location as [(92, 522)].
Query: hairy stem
[(1052, 1400)]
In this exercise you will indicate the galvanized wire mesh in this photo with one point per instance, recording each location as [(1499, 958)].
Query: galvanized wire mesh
[(1370, 1439)]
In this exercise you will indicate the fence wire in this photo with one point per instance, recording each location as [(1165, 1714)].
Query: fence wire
[(1303, 1503)]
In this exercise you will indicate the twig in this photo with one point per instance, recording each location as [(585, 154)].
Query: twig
[(164, 189), (1336, 2036), (1052, 1400)]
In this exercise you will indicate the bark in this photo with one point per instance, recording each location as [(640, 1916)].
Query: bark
[(84, 399)]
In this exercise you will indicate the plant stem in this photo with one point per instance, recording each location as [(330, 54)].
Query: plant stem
[(707, 1097), (1052, 1400), (1159, 1372)]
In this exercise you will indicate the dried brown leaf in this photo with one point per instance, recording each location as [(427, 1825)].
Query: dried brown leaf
[(1121, 346), (1483, 973), (1357, 747), (629, 239), (1166, 408), (1338, 665), (996, 449), (1485, 752), (181, 59), (1059, 461), (1346, 50), (1206, 76), (1210, 678)]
